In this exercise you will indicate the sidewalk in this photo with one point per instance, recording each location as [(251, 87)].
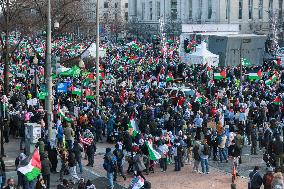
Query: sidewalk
[(12, 150)]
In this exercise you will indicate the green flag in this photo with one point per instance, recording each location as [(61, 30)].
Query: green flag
[(42, 95), (245, 62)]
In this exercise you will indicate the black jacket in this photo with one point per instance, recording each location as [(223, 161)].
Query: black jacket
[(45, 166)]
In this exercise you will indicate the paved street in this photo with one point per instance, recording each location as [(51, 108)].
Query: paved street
[(219, 176)]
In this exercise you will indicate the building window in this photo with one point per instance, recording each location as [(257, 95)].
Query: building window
[(105, 16), (135, 7), (240, 9), (227, 9), (143, 11), (105, 4), (173, 9), (190, 9), (270, 6), (250, 6), (126, 16), (151, 10), (115, 5), (260, 9), (158, 10), (126, 5), (209, 9)]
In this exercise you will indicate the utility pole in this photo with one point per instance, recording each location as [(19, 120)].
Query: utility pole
[(6, 64), (48, 99), (241, 68), (97, 57)]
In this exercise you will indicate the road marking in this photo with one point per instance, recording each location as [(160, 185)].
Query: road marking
[(92, 172)]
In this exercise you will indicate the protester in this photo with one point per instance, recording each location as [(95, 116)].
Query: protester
[(268, 178), (110, 167), (10, 184), (46, 169), (255, 179)]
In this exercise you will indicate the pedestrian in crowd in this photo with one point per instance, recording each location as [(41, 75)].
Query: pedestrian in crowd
[(278, 150), (196, 156), (10, 184), (255, 179), (72, 166), (198, 125), (52, 156), (2, 173), (222, 147), (268, 178), (138, 164), (177, 151), (64, 185), (69, 136), (253, 140), (78, 149), (46, 169), (64, 163), (164, 150), (277, 181), (118, 153), (204, 155), (20, 161), (110, 167), (90, 151), (60, 133)]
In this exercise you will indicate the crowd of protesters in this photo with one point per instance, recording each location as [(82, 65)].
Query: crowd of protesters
[(155, 109)]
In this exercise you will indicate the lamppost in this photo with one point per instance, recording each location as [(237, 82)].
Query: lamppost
[(82, 66), (35, 63), (97, 57)]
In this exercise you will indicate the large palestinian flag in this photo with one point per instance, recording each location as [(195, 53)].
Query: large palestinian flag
[(33, 169)]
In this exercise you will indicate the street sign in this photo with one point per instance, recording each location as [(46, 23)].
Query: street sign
[(62, 87)]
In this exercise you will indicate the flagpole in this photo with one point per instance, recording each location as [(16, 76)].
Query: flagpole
[(97, 57), (241, 69)]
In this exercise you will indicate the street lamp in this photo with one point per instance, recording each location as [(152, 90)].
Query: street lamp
[(35, 63), (82, 66)]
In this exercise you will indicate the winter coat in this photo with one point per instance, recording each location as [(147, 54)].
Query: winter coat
[(77, 150), (222, 142), (46, 165), (138, 163), (69, 133), (277, 181)]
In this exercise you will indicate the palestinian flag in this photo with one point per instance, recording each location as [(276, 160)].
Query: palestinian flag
[(277, 100), (170, 77), (274, 77), (154, 155), (255, 76), (18, 86), (268, 82), (221, 75), (76, 91), (132, 129), (33, 169)]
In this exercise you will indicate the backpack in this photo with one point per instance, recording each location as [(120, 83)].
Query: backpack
[(109, 164), (206, 150)]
